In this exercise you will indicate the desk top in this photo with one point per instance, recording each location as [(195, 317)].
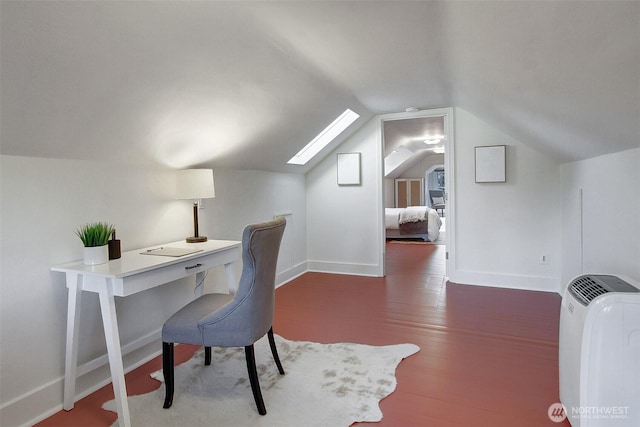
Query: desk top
[(134, 262)]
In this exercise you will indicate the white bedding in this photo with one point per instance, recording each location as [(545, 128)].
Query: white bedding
[(434, 224), (413, 214), (392, 221), (392, 218)]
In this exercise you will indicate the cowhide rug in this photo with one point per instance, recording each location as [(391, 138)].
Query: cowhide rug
[(324, 385)]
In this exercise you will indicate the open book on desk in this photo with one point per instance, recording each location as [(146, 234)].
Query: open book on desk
[(170, 251)]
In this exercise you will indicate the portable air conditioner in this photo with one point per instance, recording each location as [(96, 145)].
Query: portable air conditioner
[(599, 352)]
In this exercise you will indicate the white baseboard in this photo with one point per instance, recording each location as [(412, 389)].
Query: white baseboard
[(289, 275), (511, 281), (344, 268)]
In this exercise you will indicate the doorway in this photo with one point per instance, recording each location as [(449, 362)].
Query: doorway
[(420, 145)]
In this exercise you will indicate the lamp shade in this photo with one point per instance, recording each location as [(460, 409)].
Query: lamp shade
[(195, 184)]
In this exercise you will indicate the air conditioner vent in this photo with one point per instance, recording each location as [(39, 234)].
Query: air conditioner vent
[(585, 289)]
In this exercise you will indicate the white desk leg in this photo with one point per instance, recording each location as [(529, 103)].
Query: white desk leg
[(231, 277), (112, 336), (74, 283)]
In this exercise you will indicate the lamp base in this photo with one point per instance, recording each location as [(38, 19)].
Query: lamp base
[(196, 239)]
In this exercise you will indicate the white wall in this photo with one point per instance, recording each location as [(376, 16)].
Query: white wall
[(344, 223), (389, 193), (504, 228), (246, 196), (44, 201), (610, 216)]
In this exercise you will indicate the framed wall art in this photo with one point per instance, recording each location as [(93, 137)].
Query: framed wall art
[(348, 168), (491, 163)]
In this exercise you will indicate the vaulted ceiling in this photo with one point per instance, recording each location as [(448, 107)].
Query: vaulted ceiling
[(247, 84)]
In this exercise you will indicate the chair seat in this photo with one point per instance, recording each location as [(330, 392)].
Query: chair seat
[(183, 325)]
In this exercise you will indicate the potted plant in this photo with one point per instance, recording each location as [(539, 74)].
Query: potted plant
[(95, 238)]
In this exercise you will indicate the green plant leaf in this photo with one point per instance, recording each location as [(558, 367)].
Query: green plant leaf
[(95, 234)]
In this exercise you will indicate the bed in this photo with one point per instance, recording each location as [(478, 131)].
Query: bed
[(414, 222)]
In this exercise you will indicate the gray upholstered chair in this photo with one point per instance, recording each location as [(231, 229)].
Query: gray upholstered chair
[(437, 200), (224, 320)]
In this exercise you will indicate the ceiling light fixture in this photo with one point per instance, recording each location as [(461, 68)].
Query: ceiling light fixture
[(431, 140), (324, 138), (438, 150)]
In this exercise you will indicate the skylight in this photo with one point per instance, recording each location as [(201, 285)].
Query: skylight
[(324, 138)]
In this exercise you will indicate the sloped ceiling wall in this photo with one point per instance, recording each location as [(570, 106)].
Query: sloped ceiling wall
[(247, 84), (561, 76)]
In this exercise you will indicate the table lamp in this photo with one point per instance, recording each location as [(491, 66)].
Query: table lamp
[(195, 184)]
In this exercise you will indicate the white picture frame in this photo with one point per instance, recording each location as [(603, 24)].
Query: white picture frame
[(348, 165), (491, 163)]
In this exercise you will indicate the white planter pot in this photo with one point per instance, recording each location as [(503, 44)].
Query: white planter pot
[(95, 255)]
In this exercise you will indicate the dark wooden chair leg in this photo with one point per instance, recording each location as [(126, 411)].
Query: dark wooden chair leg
[(167, 371), (207, 356), (253, 378), (274, 351)]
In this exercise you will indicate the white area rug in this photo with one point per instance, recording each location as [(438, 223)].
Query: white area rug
[(324, 385)]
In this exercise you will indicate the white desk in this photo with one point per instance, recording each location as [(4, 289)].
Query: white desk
[(132, 273)]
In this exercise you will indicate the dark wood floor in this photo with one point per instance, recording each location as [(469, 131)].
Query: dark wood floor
[(488, 356)]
